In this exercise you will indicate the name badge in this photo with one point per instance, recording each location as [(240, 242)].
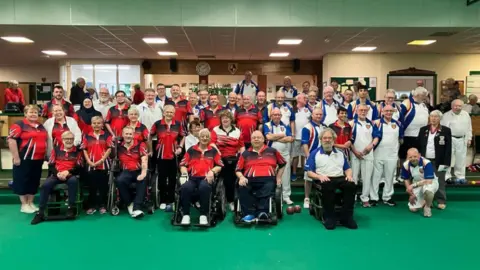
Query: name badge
[(442, 140)]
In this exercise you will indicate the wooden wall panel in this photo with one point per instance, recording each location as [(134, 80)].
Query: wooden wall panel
[(220, 67)]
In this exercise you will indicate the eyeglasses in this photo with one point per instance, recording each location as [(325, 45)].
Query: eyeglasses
[(68, 139)]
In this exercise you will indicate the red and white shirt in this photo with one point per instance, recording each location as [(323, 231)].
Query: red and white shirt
[(228, 142)]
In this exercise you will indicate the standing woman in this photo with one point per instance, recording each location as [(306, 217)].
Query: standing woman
[(435, 144), (193, 137), (85, 115), (27, 141), (141, 131), (229, 141)]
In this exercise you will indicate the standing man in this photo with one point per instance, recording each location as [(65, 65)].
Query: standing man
[(413, 116), (117, 116), (329, 106), (103, 104), (386, 155), (372, 113), (248, 119), (312, 100), (460, 124), (305, 87), (279, 136), (288, 89), (302, 118), (364, 138), (247, 87), (288, 116), (232, 103), (77, 92), (149, 111), (472, 106), (58, 100), (310, 141), (183, 110), (209, 116), (262, 102), (203, 95), (193, 100), (14, 94), (337, 93), (161, 95), (389, 100)]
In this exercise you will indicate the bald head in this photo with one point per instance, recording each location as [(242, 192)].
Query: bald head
[(413, 156), (257, 140), (280, 97), (317, 115), (301, 100)]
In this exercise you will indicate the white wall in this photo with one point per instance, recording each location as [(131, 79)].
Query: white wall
[(30, 73), (455, 66)]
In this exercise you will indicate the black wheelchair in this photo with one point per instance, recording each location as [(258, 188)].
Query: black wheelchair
[(58, 203), (316, 206), (217, 208), (152, 197), (275, 212)]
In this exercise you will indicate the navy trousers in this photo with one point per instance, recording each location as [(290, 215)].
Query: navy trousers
[(51, 182), (255, 195), (204, 192), (123, 182)]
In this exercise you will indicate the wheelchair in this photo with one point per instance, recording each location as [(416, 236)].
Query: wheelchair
[(58, 203), (217, 209), (152, 197), (275, 212), (316, 207)]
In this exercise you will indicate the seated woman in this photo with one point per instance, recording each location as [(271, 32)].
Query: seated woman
[(198, 167), (257, 173), (65, 163), (134, 163), (57, 125)]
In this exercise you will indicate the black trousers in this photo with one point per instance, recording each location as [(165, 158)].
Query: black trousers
[(26, 177), (152, 161), (51, 182), (123, 182), (167, 179), (255, 195), (204, 193), (408, 142), (97, 183), (229, 177), (329, 192)]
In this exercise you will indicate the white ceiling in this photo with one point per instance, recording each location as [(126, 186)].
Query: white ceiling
[(125, 42)]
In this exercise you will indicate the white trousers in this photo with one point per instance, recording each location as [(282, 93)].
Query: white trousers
[(386, 168), (459, 158), (286, 177), (419, 193), (366, 168)]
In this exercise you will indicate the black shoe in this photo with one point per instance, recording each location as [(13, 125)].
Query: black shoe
[(349, 223), (39, 217), (71, 212), (373, 203), (330, 223), (390, 203)]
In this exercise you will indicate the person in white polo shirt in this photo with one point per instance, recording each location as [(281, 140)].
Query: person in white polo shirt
[(288, 116), (364, 139), (232, 103), (390, 97), (460, 124), (193, 100), (312, 100), (103, 103), (247, 87), (288, 89), (337, 93), (161, 95), (329, 106), (279, 136), (302, 118), (386, 156), (330, 167), (372, 113), (150, 112)]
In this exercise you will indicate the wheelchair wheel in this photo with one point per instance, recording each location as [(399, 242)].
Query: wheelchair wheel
[(316, 206), (115, 211), (220, 201), (279, 202), (154, 191)]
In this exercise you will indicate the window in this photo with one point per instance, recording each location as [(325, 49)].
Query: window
[(128, 76), (106, 77), (84, 71)]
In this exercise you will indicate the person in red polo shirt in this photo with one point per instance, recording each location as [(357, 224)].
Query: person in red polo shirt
[(183, 110), (209, 116), (14, 94), (138, 96), (96, 147), (248, 118), (343, 130), (141, 131), (133, 158), (58, 100), (198, 167), (117, 116), (169, 133), (27, 141), (259, 169), (65, 163)]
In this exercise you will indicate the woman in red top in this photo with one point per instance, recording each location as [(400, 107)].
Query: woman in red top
[(85, 115), (229, 141), (14, 94), (141, 131), (96, 147), (27, 141)]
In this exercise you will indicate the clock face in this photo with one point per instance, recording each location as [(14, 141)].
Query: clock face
[(203, 68)]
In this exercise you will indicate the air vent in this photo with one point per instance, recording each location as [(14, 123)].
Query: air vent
[(443, 34), (206, 56)]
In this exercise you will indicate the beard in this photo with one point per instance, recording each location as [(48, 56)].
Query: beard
[(104, 99), (328, 147)]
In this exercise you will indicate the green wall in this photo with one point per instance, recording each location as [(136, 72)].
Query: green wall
[(243, 13)]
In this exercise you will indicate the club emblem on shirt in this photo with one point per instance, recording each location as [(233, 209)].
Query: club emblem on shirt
[(368, 126), (394, 126), (195, 111), (305, 109), (420, 170), (285, 109), (282, 129)]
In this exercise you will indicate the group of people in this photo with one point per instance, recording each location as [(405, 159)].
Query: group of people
[(253, 145)]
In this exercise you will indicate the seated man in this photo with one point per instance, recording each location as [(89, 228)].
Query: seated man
[(134, 163), (198, 167), (330, 167), (420, 181), (65, 162), (257, 173)]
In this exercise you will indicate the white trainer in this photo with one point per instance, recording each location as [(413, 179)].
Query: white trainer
[(203, 220), (137, 214), (130, 209), (34, 207), (306, 203), (163, 206), (27, 209), (185, 220), (232, 206), (287, 201)]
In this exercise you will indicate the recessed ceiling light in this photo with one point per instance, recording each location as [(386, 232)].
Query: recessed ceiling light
[(167, 53), (364, 49), (421, 42), (279, 54), (289, 41), (155, 40), (17, 39), (54, 52)]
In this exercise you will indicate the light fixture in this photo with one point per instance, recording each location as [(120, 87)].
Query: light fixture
[(279, 54), (289, 41), (17, 39), (152, 40), (167, 53), (54, 52), (364, 49), (421, 42)]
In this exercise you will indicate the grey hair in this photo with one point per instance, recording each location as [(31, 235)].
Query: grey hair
[(453, 101), (133, 109), (436, 113), (420, 91), (204, 131), (79, 79), (13, 82), (328, 88), (391, 91), (325, 130)]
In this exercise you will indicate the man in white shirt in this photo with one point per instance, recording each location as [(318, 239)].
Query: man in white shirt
[(193, 100), (279, 136), (329, 107), (149, 111), (364, 139), (232, 103), (203, 95), (305, 87), (288, 117), (386, 155), (460, 123), (103, 103), (161, 95), (337, 94), (302, 118), (472, 106), (247, 87), (288, 89)]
